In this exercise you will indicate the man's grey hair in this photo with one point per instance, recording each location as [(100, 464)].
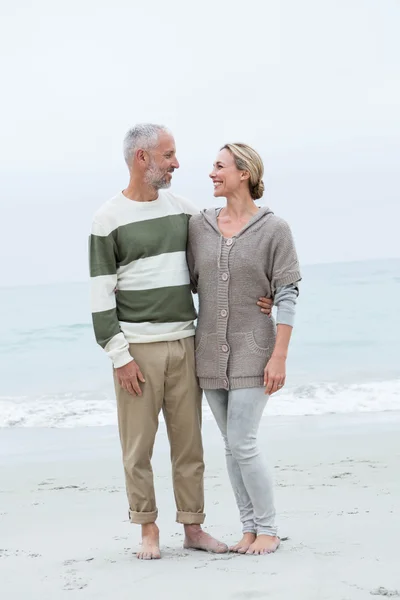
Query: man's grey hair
[(142, 136)]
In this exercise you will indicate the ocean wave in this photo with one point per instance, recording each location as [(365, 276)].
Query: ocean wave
[(35, 337), (86, 409), (58, 330)]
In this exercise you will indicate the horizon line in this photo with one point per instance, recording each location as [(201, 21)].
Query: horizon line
[(321, 264)]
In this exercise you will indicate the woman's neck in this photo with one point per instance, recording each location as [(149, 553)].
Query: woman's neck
[(240, 206)]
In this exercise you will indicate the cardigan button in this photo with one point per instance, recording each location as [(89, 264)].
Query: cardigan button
[(224, 348), (226, 384), (229, 242), (224, 276), (224, 313)]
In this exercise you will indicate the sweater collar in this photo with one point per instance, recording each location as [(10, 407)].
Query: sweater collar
[(210, 216)]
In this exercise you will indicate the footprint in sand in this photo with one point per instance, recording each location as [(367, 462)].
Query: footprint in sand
[(72, 561), (7, 553), (342, 475), (72, 582), (381, 591)]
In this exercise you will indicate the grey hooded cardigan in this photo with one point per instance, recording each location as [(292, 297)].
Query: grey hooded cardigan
[(234, 340)]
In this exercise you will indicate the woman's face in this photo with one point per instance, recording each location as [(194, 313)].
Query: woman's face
[(226, 177)]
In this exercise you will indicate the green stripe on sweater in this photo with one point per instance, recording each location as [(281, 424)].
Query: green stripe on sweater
[(137, 240), (163, 305), (105, 325), (102, 255)]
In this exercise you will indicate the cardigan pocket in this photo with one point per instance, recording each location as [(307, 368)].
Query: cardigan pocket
[(247, 358), (254, 347)]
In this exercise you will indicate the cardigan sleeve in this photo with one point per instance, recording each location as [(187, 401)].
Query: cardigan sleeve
[(285, 267)]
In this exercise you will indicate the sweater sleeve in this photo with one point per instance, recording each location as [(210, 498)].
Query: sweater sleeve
[(285, 301), (285, 265), (103, 280)]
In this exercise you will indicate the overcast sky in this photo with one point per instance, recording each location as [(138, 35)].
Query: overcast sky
[(314, 85)]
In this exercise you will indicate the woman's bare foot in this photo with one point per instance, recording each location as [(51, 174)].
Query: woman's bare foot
[(150, 543), (244, 544), (264, 544), (198, 539)]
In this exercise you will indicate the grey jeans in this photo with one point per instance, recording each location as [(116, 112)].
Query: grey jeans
[(238, 414)]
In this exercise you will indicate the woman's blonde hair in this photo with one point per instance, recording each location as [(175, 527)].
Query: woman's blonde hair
[(247, 159)]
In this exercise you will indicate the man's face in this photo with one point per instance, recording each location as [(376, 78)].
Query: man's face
[(163, 162)]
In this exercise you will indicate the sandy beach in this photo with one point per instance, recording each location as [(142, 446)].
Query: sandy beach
[(64, 530)]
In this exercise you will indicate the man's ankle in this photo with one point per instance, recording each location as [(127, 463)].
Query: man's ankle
[(192, 529), (149, 528)]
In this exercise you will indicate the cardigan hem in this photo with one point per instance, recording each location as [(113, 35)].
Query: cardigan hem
[(233, 383)]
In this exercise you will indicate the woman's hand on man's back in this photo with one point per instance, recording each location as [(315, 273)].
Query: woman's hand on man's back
[(265, 305)]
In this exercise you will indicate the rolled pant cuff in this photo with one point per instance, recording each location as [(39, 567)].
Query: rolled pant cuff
[(273, 531), (188, 518), (249, 530), (143, 518)]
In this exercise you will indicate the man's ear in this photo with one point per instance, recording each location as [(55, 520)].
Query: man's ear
[(141, 156)]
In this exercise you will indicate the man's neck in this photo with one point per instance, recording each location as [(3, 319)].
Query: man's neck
[(140, 191)]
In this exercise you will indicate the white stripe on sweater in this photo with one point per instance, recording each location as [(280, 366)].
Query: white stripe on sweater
[(142, 333), (120, 211), (102, 292), (164, 270)]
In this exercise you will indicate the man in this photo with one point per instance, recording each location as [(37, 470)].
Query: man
[(143, 316)]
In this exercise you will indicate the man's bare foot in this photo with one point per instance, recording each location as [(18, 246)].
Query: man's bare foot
[(264, 544), (244, 544), (150, 543), (198, 539)]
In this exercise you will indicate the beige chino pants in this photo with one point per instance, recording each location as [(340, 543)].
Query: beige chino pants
[(171, 386)]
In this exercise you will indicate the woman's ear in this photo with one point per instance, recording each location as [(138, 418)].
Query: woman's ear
[(244, 175)]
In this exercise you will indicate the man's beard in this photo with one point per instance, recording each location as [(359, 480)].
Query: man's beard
[(157, 178)]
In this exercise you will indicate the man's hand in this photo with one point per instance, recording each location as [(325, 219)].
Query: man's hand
[(275, 374), (128, 377), (266, 305)]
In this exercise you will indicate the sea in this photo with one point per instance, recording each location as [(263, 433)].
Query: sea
[(344, 355)]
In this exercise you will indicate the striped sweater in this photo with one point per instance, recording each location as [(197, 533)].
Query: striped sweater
[(140, 285)]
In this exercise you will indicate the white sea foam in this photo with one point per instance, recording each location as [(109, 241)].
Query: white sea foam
[(90, 409)]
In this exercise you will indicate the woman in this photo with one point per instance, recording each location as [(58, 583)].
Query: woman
[(233, 253)]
